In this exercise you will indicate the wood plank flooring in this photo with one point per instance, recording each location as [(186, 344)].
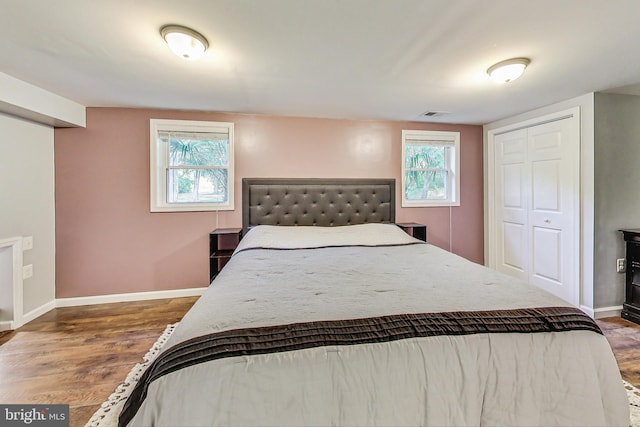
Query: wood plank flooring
[(78, 355), (624, 338)]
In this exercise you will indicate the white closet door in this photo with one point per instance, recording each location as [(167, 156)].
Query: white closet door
[(553, 199), (511, 204), (535, 205)]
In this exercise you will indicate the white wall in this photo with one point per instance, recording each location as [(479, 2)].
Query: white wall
[(27, 202), (586, 105), (617, 175)]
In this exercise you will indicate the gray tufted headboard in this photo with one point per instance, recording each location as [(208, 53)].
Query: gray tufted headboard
[(317, 201)]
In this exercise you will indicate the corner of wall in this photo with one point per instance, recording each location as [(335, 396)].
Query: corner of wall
[(21, 99)]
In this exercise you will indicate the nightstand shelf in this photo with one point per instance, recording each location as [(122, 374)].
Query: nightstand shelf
[(222, 243), (417, 230)]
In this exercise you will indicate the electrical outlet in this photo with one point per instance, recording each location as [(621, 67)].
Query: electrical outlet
[(27, 243), (621, 265), (27, 271)]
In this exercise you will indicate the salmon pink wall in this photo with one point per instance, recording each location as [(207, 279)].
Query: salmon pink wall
[(107, 241)]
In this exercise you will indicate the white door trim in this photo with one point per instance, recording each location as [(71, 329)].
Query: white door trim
[(15, 245), (572, 114)]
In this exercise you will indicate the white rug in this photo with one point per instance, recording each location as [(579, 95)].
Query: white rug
[(107, 415), (634, 403)]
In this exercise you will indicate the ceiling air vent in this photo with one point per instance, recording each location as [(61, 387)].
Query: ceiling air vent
[(434, 113)]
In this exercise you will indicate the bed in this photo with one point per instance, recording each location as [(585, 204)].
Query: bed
[(329, 314)]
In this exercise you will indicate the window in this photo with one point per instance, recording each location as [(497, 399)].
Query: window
[(430, 168), (191, 165)]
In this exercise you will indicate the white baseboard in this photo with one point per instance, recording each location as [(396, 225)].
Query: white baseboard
[(588, 311), (601, 313), (134, 296), (26, 318), (37, 312), (6, 325), (98, 299)]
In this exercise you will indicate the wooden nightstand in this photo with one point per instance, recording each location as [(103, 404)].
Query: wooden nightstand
[(419, 231), (222, 243)]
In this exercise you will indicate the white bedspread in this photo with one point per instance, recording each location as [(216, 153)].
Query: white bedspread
[(509, 379)]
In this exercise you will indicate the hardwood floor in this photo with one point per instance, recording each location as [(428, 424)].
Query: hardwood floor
[(624, 338), (78, 355)]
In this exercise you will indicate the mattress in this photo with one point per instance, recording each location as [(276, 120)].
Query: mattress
[(365, 325)]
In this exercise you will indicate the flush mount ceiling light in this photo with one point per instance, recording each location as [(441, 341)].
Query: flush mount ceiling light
[(509, 70), (184, 42)]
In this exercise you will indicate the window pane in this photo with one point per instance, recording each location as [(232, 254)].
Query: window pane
[(198, 152), (426, 185), (197, 186), (425, 156)]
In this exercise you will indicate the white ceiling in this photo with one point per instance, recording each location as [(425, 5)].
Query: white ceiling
[(363, 59)]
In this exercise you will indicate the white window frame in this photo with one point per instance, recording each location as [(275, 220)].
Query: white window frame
[(435, 138), (159, 156)]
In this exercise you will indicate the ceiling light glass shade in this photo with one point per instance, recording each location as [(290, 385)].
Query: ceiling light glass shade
[(509, 70), (184, 42)]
